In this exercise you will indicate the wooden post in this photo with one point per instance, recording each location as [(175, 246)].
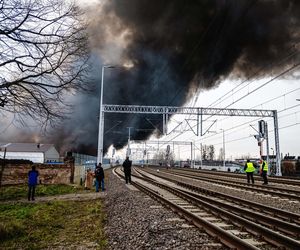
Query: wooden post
[(2, 167)]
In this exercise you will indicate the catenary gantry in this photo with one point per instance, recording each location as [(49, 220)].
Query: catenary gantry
[(165, 111)]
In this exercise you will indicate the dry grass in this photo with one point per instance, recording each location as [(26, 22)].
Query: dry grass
[(55, 224)]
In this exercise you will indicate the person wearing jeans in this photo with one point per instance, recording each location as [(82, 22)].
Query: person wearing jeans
[(99, 175), (32, 182)]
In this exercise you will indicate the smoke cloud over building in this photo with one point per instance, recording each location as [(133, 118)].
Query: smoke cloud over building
[(175, 48)]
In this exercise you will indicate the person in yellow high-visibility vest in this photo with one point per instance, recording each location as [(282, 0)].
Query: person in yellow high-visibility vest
[(249, 169), (264, 171)]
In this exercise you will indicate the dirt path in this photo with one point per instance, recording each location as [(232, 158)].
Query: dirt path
[(65, 197)]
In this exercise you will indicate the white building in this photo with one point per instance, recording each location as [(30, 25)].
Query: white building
[(35, 152)]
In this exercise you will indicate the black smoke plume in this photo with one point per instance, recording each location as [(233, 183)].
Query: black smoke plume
[(177, 48)]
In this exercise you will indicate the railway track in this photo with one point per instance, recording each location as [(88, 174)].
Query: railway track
[(288, 193), (215, 215), (294, 181), (275, 212)]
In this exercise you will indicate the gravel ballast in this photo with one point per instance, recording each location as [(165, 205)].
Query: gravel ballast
[(136, 221)]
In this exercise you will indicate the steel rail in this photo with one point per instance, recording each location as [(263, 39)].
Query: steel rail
[(246, 186), (252, 227), (225, 178), (282, 226), (291, 217), (273, 179), (222, 235)]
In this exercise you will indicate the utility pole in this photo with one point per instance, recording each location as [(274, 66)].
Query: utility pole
[(128, 148), (2, 167), (267, 145), (101, 117), (201, 155), (224, 163), (192, 166)]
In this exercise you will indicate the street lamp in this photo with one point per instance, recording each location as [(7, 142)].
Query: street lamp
[(223, 148), (101, 118)]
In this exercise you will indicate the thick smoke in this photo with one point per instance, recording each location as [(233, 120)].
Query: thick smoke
[(175, 48), (179, 46)]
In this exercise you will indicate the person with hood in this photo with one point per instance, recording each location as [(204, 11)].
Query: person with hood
[(88, 179)]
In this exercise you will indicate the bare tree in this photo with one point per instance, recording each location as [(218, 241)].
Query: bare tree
[(204, 152), (43, 54), (211, 152), (221, 154)]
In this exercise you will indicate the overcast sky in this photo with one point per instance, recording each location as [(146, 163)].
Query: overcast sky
[(267, 94), (280, 95), (120, 37)]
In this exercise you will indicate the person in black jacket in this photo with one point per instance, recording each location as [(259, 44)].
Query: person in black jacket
[(99, 175), (127, 170)]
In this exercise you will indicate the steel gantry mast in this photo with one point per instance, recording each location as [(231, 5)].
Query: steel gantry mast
[(165, 111)]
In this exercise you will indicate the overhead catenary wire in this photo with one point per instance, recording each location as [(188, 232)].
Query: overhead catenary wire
[(253, 120), (247, 137), (259, 87), (268, 101), (236, 88)]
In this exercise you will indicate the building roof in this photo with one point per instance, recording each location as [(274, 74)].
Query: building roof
[(25, 147)]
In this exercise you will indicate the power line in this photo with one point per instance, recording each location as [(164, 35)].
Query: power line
[(270, 100), (274, 78), (264, 84), (269, 81), (246, 123), (219, 100)]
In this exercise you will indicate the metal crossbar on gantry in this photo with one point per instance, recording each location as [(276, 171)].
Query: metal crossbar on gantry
[(136, 109), (165, 111)]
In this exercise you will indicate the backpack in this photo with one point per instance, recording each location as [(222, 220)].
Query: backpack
[(98, 173)]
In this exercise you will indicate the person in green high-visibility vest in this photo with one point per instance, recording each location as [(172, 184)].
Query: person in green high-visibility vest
[(249, 169), (264, 171)]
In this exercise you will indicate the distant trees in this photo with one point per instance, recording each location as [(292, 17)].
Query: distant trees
[(204, 153), (208, 152), (211, 152), (43, 53), (164, 157), (221, 155)]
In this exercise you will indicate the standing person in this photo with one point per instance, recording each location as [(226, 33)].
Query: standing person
[(88, 179), (99, 175), (127, 170), (32, 182), (249, 169), (264, 171)]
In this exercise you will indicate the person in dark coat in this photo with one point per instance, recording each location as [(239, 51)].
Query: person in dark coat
[(32, 182), (99, 175), (127, 170)]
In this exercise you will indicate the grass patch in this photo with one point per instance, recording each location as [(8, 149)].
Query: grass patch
[(20, 191), (53, 224)]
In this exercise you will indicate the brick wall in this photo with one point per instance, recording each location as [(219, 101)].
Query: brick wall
[(48, 174)]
